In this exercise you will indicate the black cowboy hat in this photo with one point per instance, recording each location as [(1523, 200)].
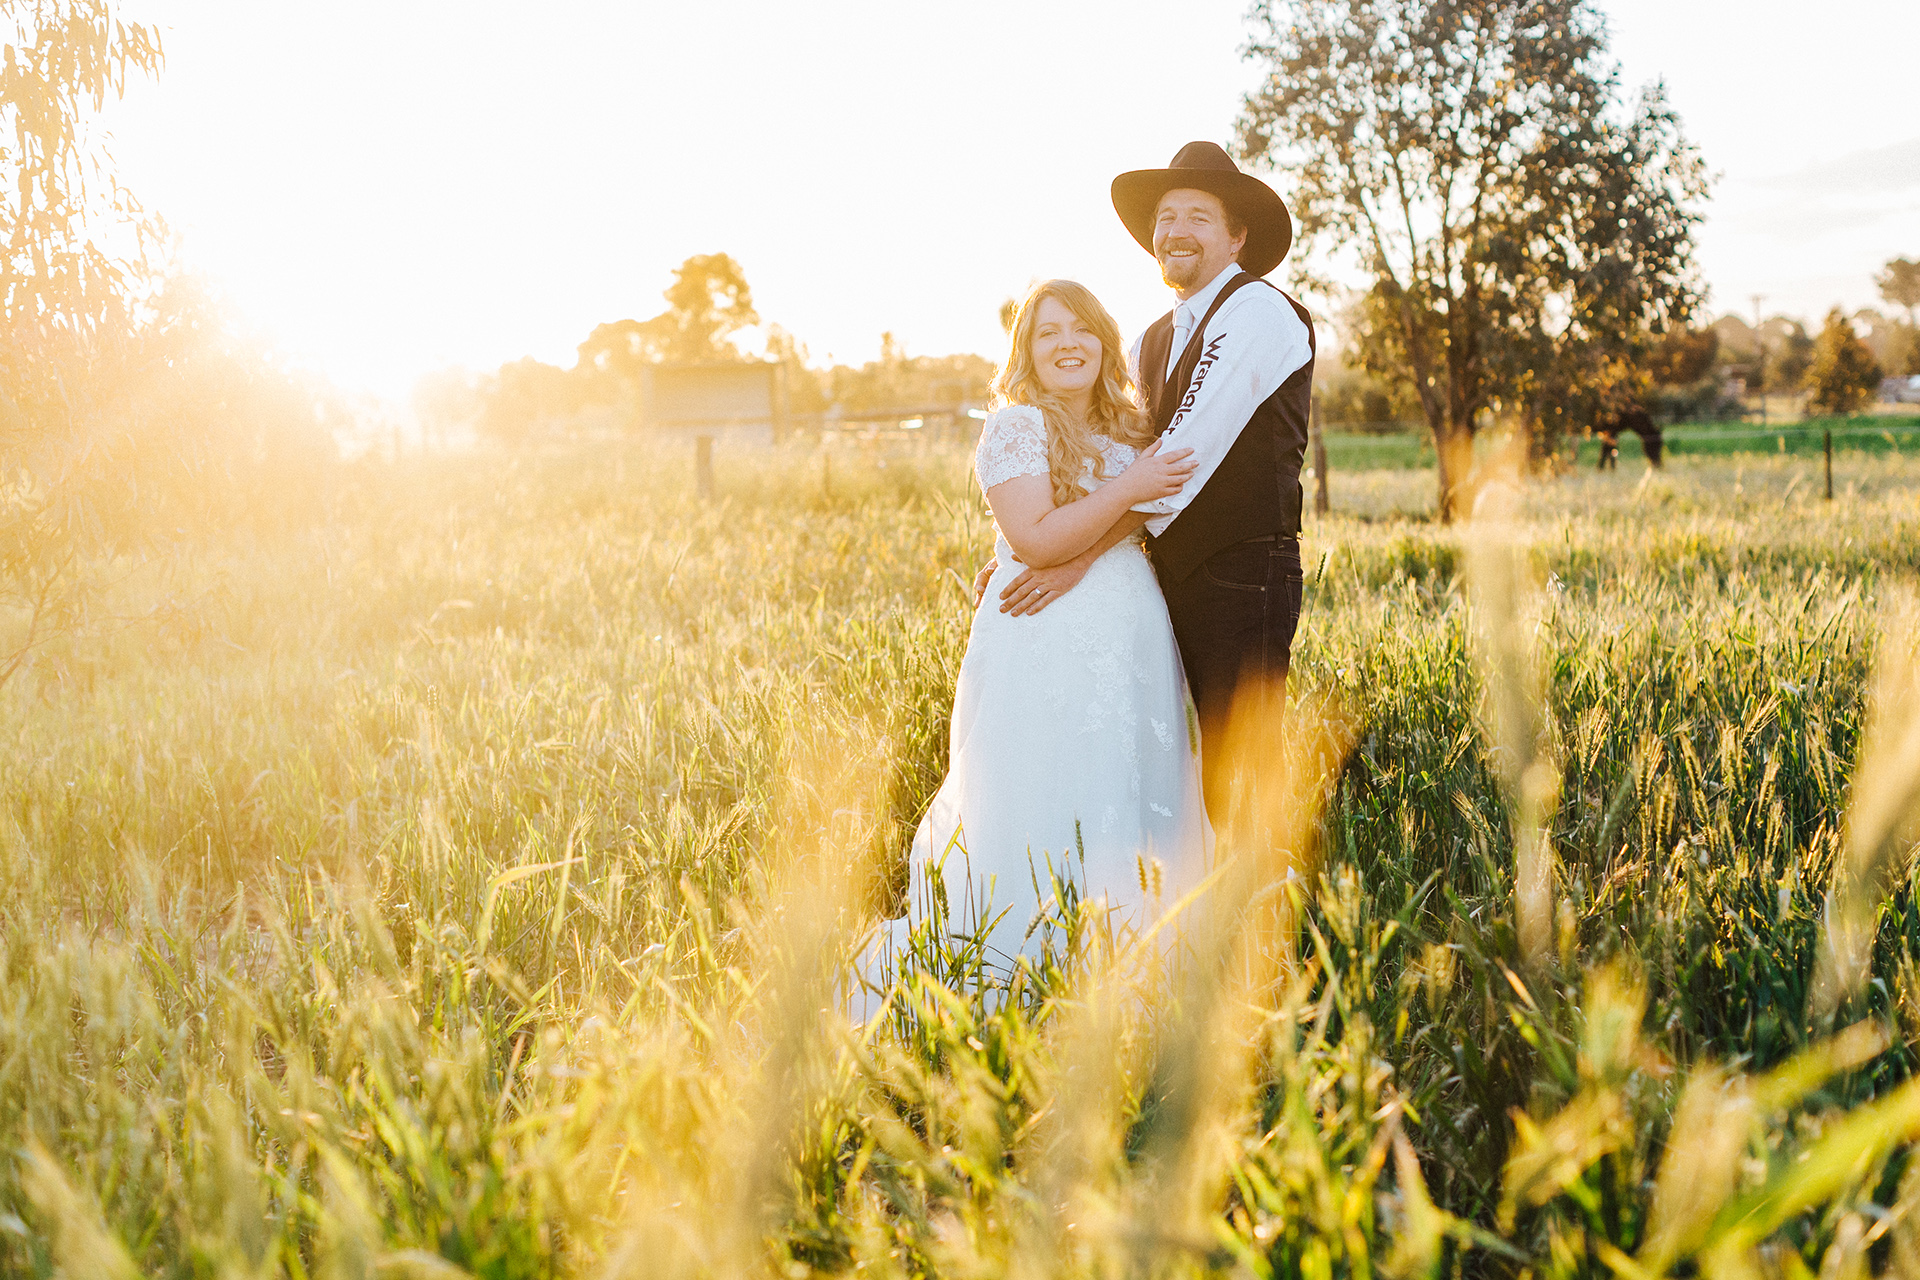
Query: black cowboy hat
[(1205, 166)]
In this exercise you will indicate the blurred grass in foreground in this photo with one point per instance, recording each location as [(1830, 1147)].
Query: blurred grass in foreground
[(447, 891)]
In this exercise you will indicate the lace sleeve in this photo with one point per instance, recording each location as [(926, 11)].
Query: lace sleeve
[(1013, 443)]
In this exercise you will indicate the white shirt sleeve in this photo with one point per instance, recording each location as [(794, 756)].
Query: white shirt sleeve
[(1254, 343)]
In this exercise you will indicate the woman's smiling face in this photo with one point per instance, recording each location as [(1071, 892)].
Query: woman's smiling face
[(1065, 353)]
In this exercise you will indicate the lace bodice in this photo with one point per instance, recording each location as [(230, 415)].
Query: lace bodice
[(1013, 443)]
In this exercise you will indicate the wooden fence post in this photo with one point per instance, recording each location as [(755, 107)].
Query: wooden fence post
[(1826, 445), (703, 468), (1319, 440)]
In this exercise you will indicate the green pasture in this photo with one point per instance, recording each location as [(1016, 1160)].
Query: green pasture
[(1355, 452), (454, 886), (1860, 433)]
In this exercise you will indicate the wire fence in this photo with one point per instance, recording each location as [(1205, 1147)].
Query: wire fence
[(1796, 430), (1354, 445)]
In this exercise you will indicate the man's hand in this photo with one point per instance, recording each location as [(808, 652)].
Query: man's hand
[(1035, 589), (983, 577)]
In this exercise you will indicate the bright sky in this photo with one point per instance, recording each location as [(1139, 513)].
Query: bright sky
[(390, 186)]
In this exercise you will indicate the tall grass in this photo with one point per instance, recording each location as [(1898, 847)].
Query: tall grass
[(454, 887)]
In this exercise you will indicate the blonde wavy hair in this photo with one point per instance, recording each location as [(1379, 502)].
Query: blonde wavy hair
[(1115, 412)]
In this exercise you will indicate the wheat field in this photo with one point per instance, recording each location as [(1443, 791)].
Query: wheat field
[(454, 884)]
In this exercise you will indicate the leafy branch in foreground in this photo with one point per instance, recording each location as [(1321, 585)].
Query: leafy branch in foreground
[(66, 303)]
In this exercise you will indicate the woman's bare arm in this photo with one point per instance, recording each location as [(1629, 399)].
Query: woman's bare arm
[(1043, 535), (1035, 589)]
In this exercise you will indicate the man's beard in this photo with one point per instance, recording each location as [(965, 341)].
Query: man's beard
[(1179, 272)]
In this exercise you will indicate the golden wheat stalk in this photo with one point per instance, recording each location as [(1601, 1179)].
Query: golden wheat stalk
[(1504, 628), (1883, 815)]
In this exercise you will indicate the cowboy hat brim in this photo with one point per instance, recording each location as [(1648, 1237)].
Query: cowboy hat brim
[(1136, 196)]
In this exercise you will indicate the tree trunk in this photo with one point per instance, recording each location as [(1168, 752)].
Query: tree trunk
[(1453, 452), (1454, 446)]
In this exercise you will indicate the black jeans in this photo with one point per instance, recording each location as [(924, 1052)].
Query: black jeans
[(1234, 618)]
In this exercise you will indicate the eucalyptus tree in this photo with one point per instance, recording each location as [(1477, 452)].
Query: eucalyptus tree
[(708, 302), (1899, 284), (1520, 230), (67, 300)]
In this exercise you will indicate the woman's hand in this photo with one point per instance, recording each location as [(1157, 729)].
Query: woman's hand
[(982, 578), (1156, 474)]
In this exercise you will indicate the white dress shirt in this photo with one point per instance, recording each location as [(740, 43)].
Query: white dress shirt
[(1254, 343)]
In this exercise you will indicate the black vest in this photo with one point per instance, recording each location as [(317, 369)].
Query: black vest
[(1256, 489)]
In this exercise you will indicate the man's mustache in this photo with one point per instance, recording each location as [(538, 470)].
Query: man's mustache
[(1170, 245)]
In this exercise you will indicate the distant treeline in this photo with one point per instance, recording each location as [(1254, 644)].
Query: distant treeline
[(709, 304), (1684, 373), (1707, 372)]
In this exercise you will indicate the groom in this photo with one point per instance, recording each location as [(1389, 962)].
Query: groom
[(1227, 373)]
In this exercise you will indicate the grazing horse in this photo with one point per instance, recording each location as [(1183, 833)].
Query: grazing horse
[(1636, 420)]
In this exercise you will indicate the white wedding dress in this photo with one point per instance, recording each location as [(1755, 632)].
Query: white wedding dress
[(1071, 754)]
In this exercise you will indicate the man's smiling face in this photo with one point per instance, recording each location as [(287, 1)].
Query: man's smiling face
[(1193, 238)]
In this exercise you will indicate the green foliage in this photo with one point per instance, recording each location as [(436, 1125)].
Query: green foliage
[(1738, 340), (1899, 284), (1702, 401), (707, 304), (60, 290), (527, 400), (1790, 350), (708, 300), (897, 380), (132, 414), (1894, 342), (1774, 356), (67, 305), (1522, 232), (417, 903), (1842, 374), (187, 425), (1359, 399), (1682, 357)]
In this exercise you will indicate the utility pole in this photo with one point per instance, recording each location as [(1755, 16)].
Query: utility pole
[(1760, 344)]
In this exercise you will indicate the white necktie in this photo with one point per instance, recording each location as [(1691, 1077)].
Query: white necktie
[(1182, 330)]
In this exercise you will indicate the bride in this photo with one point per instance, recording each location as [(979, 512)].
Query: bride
[(1071, 760)]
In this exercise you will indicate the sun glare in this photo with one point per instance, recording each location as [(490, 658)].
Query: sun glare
[(687, 641)]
